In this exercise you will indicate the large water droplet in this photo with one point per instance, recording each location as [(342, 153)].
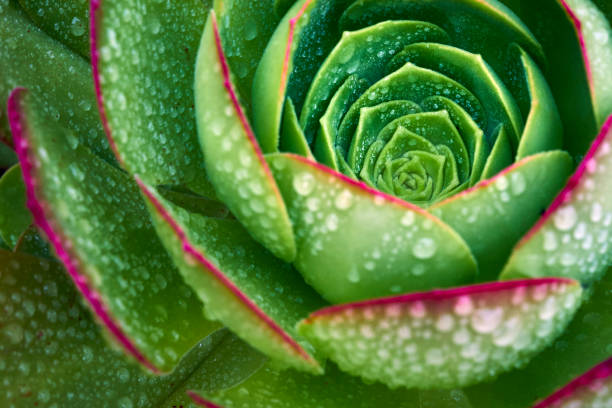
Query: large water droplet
[(304, 183), (565, 218), (424, 248)]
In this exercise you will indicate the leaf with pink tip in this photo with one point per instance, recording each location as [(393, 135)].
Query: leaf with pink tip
[(395, 247), (243, 286), (234, 161), (573, 237), (445, 338), (98, 226), (583, 344), (52, 352), (591, 390), (510, 202), (143, 56)]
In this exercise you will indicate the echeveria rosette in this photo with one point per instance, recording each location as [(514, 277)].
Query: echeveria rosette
[(378, 150)]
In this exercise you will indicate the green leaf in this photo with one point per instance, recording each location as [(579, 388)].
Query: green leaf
[(14, 216), (543, 129), (99, 228), (510, 202), (595, 32), (245, 27), (242, 285), (7, 154), (30, 242), (471, 71), (480, 27), (447, 338), (567, 76), (592, 389), (61, 78), (234, 161), (143, 62), (64, 21), (271, 388), (292, 138), (583, 344), (363, 53), (572, 238), (395, 246), (52, 352)]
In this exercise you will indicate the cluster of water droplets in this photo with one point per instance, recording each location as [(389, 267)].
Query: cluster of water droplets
[(445, 341), (576, 240), (153, 122)]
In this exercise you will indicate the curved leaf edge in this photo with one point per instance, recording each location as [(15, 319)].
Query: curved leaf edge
[(196, 255), (41, 220), (95, 5), (574, 182), (600, 372), (438, 294)]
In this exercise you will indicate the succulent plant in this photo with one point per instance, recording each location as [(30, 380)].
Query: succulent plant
[(330, 203)]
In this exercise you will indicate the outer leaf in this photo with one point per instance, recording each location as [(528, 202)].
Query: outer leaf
[(142, 57), (245, 28), (555, 29), (572, 238), (494, 215), (270, 388), (445, 339), (593, 389), (96, 222), (594, 32), (14, 216), (234, 160), (65, 21), (256, 295), (395, 246), (584, 343), (61, 78), (52, 352)]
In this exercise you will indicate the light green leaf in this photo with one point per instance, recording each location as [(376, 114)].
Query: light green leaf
[(572, 239), (445, 339), (395, 246), (234, 161)]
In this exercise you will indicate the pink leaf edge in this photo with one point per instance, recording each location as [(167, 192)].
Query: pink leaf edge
[(363, 187), (598, 373), (201, 401), (95, 66), (440, 294), (574, 181), (229, 87), (192, 251), (292, 24), (578, 26), (18, 126)]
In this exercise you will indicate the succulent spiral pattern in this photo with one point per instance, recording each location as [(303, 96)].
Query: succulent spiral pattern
[(415, 101), (383, 202)]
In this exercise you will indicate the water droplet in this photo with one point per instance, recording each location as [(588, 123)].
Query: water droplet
[(487, 320), (304, 183), (344, 200), (77, 28), (346, 53), (408, 219), (517, 184), (565, 218), (331, 222), (434, 357), (424, 248)]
